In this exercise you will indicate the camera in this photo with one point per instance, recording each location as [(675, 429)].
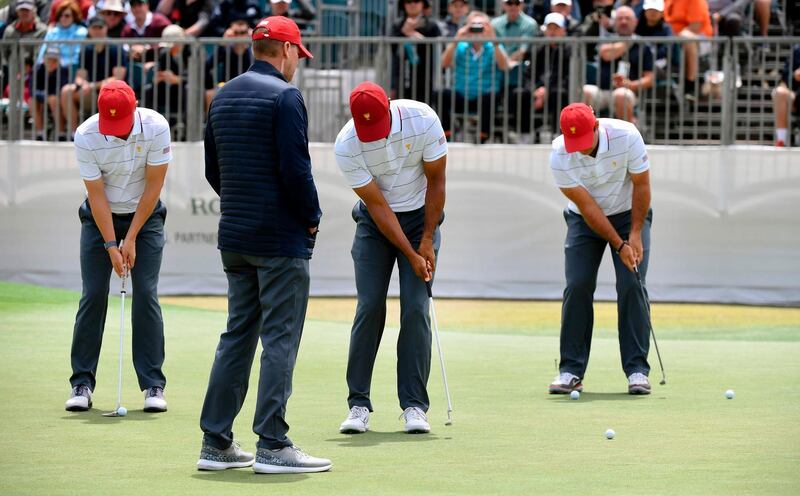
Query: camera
[(476, 27), (604, 10)]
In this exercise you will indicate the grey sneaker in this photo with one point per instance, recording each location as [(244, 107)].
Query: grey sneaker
[(638, 384), (212, 458), (288, 460), (416, 421), (357, 421), (154, 401), (80, 399), (565, 383)]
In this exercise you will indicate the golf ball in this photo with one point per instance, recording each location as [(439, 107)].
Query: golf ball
[(122, 411), (729, 394), (575, 395), (610, 434)]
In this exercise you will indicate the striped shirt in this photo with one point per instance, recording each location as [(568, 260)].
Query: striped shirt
[(606, 177), (121, 163), (394, 163)]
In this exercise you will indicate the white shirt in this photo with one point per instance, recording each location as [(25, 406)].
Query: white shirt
[(394, 163), (607, 177), (121, 163)]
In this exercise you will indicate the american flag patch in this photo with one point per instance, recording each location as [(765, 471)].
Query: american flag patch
[(165, 151), (442, 140)]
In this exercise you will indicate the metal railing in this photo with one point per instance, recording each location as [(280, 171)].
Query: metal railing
[(478, 101)]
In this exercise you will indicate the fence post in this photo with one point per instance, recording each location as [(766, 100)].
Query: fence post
[(196, 89), (578, 52), (728, 94), (15, 83)]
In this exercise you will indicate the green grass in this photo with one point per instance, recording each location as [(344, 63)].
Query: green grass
[(509, 436)]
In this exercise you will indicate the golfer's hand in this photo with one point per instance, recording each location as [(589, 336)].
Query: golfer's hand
[(129, 252), (628, 257), (635, 240), (117, 261), (425, 250), (421, 268)]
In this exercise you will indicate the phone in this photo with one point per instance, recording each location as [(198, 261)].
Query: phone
[(623, 68), (476, 27)]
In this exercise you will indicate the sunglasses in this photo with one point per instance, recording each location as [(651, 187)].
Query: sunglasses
[(112, 13), (241, 33), (66, 14)]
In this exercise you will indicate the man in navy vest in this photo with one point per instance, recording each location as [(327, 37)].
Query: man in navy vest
[(256, 148)]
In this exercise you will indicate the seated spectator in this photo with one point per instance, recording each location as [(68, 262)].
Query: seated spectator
[(550, 67), (625, 69), (728, 14), (113, 11), (166, 92), (69, 27), (597, 23), (8, 14), (690, 20), (784, 97), (229, 11), (27, 24), (303, 16), (413, 64), (457, 11), (651, 23), (145, 24), (564, 7), (193, 16), (478, 67), (48, 78), (83, 6), (100, 64), (228, 60), (514, 23)]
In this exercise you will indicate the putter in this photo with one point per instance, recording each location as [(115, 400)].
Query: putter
[(116, 412), (650, 323), (441, 358)]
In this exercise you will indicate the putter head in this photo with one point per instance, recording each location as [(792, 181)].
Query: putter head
[(663, 382), (111, 414)]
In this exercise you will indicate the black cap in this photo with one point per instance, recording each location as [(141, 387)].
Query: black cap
[(97, 21)]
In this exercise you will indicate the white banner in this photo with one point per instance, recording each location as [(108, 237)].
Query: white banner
[(724, 224)]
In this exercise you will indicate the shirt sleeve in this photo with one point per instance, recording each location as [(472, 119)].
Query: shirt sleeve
[(160, 149), (638, 161), (87, 164), (435, 141), (353, 168), (559, 166)]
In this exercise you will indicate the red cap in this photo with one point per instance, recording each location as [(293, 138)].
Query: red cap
[(281, 28), (370, 108), (577, 125), (116, 105)]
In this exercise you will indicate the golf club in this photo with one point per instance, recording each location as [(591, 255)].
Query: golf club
[(120, 411), (441, 358), (650, 323)]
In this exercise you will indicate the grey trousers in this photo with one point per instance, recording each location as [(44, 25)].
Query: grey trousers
[(583, 251), (148, 326), (267, 300), (374, 258)]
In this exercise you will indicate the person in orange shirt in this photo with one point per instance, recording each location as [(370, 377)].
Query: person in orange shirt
[(689, 19)]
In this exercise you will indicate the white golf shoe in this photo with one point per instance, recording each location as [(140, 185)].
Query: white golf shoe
[(638, 384), (357, 421), (288, 460), (154, 401), (416, 421), (80, 399)]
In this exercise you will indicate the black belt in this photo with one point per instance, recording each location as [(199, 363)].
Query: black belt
[(124, 216)]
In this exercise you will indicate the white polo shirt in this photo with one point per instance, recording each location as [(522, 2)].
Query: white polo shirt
[(394, 163), (121, 163), (607, 177)]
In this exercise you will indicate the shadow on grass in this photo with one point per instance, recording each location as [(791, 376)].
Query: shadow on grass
[(95, 416), (247, 476), (588, 396), (375, 438)]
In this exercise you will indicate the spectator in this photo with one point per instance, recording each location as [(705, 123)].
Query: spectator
[(113, 11), (9, 16), (228, 60), (514, 23), (651, 23), (68, 28), (303, 16), (229, 11), (550, 67), (166, 93), (27, 24), (145, 24), (47, 80), (100, 64), (689, 20), (478, 67), (728, 14), (597, 23), (83, 6), (457, 12), (632, 64), (564, 7), (784, 97), (193, 16), (413, 64)]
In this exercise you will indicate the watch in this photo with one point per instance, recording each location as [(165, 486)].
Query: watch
[(110, 244)]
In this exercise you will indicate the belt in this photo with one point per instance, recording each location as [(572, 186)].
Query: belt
[(124, 216)]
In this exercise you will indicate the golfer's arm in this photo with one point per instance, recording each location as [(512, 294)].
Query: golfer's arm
[(593, 214), (153, 182), (641, 200), (434, 196), (101, 212), (384, 218)]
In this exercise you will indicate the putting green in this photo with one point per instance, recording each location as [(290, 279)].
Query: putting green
[(508, 437)]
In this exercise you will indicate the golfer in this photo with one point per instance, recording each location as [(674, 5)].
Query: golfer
[(393, 155), (257, 160), (122, 152), (601, 166)]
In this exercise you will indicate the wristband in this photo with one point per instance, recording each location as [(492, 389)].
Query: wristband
[(110, 244), (622, 245)]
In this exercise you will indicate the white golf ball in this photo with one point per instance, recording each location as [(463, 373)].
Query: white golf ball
[(610, 434), (575, 395), (729, 394), (122, 411)]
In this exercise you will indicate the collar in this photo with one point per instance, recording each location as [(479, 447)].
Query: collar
[(602, 147), (25, 28), (263, 67), (147, 21), (397, 119)]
